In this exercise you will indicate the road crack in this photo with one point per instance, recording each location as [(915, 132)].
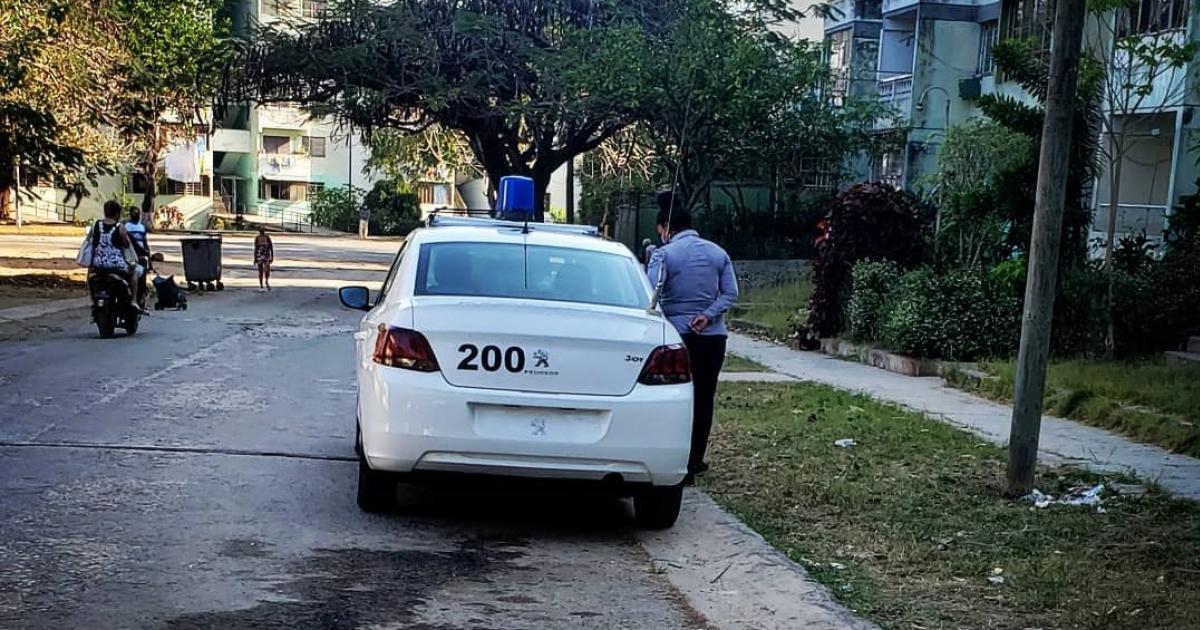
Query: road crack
[(189, 450)]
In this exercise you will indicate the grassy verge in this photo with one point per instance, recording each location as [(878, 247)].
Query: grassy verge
[(774, 309), (907, 526), (734, 363), (1148, 400)]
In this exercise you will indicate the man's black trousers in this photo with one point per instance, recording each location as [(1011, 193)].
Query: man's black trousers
[(707, 354)]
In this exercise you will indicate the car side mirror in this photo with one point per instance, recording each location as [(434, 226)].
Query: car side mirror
[(357, 298)]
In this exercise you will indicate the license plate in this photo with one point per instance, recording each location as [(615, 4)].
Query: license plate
[(540, 424)]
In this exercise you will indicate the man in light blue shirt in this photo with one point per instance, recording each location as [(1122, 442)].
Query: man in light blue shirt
[(698, 287)]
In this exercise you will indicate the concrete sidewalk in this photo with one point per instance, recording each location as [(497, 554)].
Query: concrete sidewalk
[(1061, 440)]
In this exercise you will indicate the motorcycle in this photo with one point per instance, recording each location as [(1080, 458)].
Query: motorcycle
[(113, 304)]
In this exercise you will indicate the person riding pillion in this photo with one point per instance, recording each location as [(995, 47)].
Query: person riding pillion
[(108, 246)]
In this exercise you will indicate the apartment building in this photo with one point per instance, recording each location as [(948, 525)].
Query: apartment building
[(931, 61)]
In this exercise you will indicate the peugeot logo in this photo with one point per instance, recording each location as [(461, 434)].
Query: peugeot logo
[(541, 359)]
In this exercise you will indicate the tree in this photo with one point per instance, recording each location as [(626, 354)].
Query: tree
[(337, 208), (975, 164), (728, 99), (1146, 75), (395, 208), (408, 157), (56, 64), (176, 53), (1029, 68), (529, 85)]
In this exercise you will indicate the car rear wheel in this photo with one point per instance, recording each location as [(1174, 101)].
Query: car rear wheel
[(658, 507), (376, 489)]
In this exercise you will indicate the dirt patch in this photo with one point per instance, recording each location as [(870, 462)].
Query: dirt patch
[(40, 264), (26, 289), (42, 230)]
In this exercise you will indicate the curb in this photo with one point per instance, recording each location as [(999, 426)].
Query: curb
[(735, 579)]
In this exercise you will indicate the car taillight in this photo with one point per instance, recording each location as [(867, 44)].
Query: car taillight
[(404, 348), (667, 365)]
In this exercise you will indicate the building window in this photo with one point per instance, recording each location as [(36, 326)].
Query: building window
[(868, 9), (276, 145), (314, 146), (314, 8), (315, 188), (1029, 19), (278, 191), (988, 31), (1153, 16)]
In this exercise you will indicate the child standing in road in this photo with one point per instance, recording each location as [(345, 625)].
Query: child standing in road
[(264, 255)]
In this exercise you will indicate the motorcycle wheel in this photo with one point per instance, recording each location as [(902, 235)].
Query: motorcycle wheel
[(106, 324), (131, 324)]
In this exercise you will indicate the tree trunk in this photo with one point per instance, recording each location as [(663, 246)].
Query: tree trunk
[(541, 183), (150, 172), (1053, 165), (8, 181), (1114, 196)]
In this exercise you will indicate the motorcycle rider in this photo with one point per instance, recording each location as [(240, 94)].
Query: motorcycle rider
[(141, 245)]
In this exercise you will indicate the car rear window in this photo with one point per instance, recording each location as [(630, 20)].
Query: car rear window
[(512, 270)]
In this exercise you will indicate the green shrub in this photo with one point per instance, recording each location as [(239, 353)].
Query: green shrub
[(395, 209), (336, 208), (871, 285), (958, 315), (873, 221)]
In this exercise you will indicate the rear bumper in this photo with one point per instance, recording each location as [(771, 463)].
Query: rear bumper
[(417, 423)]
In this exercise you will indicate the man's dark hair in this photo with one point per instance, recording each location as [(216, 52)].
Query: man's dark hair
[(672, 213), (135, 214), (112, 209)]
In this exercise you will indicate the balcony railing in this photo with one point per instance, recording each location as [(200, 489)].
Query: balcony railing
[(284, 166), (896, 93)]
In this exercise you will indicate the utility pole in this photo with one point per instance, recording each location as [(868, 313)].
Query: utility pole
[(1043, 256)]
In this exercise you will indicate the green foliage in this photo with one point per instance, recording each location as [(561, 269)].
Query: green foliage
[(395, 209), (1156, 303), (1022, 63), (959, 315), (975, 165), (872, 283), (787, 231), (728, 100), (867, 221), (528, 89), (410, 157), (337, 208)]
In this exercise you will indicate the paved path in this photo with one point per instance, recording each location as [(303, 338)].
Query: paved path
[(1060, 439)]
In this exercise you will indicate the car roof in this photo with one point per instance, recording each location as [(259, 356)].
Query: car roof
[(492, 234)]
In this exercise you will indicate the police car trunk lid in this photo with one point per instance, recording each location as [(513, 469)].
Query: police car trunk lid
[(538, 346)]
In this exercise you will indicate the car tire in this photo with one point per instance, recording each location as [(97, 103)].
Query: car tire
[(658, 507), (358, 449), (376, 489)]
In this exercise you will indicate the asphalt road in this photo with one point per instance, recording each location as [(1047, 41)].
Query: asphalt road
[(200, 475)]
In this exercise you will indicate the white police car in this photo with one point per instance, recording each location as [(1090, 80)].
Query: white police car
[(525, 351)]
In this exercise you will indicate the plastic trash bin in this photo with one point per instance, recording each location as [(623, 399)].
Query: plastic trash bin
[(202, 261)]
